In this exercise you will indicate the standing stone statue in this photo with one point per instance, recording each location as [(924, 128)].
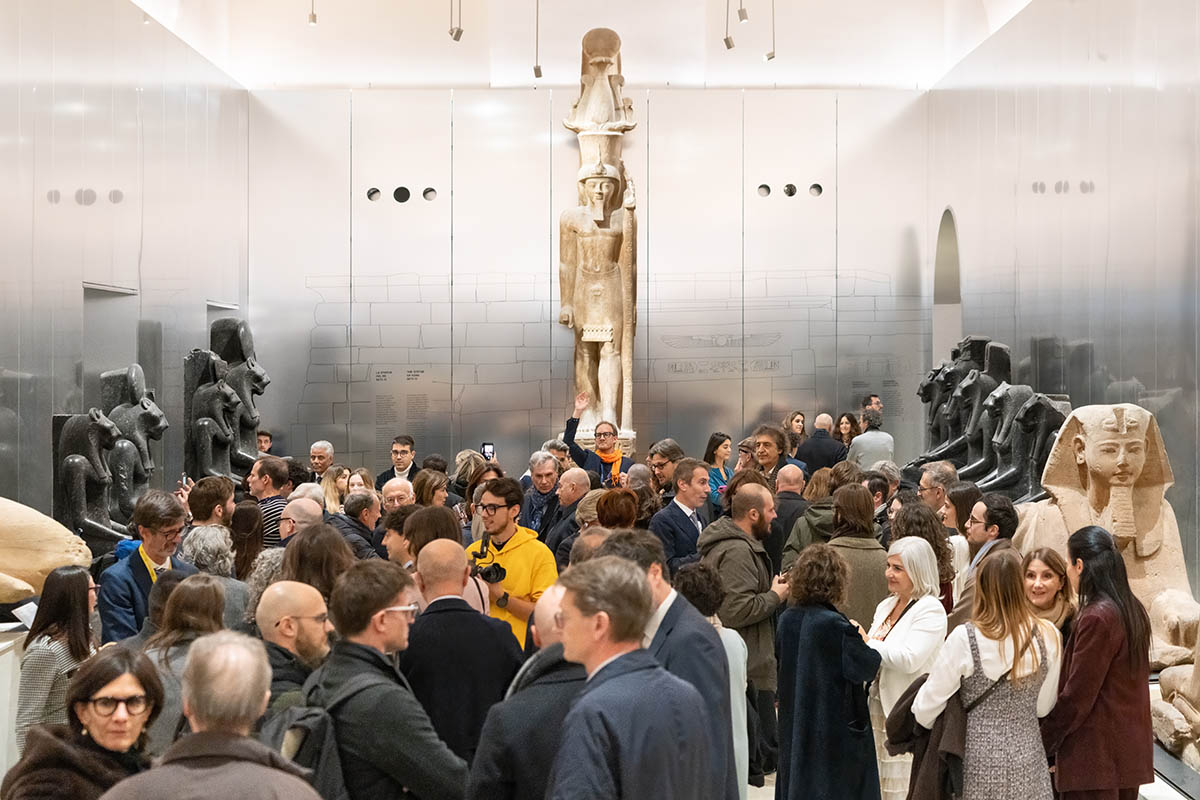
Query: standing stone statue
[(231, 340), (209, 404), (81, 493), (1109, 468), (598, 240), (131, 407)]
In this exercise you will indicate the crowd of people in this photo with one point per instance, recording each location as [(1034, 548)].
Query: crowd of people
[(597, 627)]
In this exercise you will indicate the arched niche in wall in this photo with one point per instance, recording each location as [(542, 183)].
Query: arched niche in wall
[(947, 298)]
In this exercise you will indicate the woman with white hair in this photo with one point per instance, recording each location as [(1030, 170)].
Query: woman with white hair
[(907, 632), (210, 549)]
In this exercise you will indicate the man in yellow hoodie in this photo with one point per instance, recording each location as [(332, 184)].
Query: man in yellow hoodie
[(528, 564)]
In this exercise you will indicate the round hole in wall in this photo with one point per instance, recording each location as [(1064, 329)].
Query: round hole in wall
[(115, 196), (790, 190), (1058, 187), (53, 196), (1066, 187), (764, 190), (85, 197), (1034, 187), (430, 193), (1041, 187), (401, 194), (815, 190), (373, 194)]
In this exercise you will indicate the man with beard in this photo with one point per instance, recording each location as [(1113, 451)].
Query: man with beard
[(733, 546), (295, 627)]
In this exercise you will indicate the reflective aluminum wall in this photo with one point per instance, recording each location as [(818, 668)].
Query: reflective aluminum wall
[(1067, 149), (123, 170), (404, 273)]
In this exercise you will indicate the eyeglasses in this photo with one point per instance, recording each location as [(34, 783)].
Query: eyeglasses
[(171, 532), (489, 509), (107, 706), (93, 588), (971, 520), (319, 618), (286, 519), (605, 435), (924, 489), (410, 609)]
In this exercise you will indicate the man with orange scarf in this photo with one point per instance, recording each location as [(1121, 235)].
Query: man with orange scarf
[(607, 459)]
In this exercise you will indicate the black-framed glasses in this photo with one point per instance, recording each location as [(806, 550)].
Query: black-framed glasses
[(489, 508), (605, 435), (107, 706), (318, 618)]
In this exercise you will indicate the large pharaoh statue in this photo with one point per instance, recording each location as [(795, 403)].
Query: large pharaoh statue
[(598, 239), (1109, 468)]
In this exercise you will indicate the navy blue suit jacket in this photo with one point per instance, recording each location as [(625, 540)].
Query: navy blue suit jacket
[(688, 646), (678, 534), (124, 595)]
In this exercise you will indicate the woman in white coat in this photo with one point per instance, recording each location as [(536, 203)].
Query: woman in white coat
[(907, 632)]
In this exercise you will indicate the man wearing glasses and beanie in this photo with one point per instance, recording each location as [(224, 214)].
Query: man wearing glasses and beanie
[(528, 565)]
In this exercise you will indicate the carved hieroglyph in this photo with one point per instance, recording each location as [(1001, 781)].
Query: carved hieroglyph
[(31, 545), (598, 239), (1109, 467)]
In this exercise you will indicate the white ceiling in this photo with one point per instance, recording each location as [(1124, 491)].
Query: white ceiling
[(394, 43)]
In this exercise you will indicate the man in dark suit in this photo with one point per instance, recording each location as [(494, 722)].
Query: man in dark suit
[(459, 662), (790, 505), (687, 646), (680, 521), (821, 449), (404, 451), (520, 735), (572, 486), (635, 730), (123, 600), (357, 521)]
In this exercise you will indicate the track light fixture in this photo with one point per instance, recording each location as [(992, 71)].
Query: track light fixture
[(743, 14), (537, 24), (728, 38), (312, 12), (456, 31), (770, 54)]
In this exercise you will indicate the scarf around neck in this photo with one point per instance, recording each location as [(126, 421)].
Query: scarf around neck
[(613, 459)]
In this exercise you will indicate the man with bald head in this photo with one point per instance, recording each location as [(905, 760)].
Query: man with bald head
[(821, 449), (297, 515), (294, 624), (459, 662), (520, 735), (790, 505), (572, 486)]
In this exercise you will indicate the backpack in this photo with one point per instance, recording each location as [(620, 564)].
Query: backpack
[(305, 734)]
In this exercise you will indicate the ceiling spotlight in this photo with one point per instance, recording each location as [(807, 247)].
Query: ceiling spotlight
[(770, 56), (728, 42), (537, 26), (743, 14), (537, 70), (456, 30), (312, 12), (456, 33)]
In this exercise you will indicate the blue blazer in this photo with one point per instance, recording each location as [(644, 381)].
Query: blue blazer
[(587, 459), (124, 595), (677, 534), (688, 646)]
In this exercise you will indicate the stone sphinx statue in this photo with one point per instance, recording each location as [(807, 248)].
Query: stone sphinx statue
[(975, 389), (231, 340), (81, 493), (1040, 419), (209, 404), (1009, 441), (954, 414), (1109, 467), (31, 546), (931, 393), (598, 241), (132, 409)]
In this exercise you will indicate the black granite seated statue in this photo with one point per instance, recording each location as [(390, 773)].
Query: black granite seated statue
[(132, 408), (81, 496), (210, 406), (1009, 441), (981, 455), (231, 340), (1040, 418)]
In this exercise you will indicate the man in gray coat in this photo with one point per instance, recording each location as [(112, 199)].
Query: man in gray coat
[(226, 683), (872, 444)]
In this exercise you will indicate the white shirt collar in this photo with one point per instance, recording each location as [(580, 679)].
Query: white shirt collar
[(657, 617), (603, 664), (687, 511)]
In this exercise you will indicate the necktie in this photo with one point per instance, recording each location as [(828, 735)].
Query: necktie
[(696, 522)]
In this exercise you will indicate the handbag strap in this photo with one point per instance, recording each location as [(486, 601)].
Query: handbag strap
[(987, 691)]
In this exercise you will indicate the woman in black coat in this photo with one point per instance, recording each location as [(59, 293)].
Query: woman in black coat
[(826, 747), (111, 700)]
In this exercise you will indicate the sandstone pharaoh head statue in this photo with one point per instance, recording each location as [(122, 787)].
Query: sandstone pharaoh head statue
[(599, 188), (1114, 456)]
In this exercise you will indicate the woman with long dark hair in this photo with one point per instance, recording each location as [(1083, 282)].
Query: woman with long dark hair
[(59, 640), (1099, 734), (110, 700), (716, 455), (961, 497), (246, 529), (318, 556), (195, 608), (846, 429)]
